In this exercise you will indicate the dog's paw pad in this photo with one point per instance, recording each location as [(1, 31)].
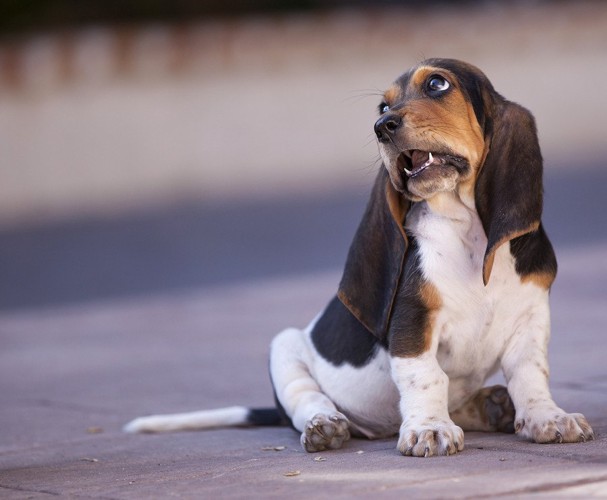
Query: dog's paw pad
[(324, 432), (500, 409)]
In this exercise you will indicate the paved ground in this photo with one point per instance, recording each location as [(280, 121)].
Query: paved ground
[(70, 377), (73, 372)]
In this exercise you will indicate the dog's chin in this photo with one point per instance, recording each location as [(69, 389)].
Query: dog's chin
[(433, 180)]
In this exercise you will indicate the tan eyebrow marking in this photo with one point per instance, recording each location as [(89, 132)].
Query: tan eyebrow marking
[(392, 94)]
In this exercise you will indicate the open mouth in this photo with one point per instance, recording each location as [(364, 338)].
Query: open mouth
[(415, 161)]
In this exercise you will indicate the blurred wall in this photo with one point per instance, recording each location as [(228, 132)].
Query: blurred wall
[(106, 119)]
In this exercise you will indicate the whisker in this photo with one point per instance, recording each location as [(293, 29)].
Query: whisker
[(363, 94), (422, 57), (371, 140), (372, 166)]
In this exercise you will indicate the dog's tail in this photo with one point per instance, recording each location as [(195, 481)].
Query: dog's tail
[(234, 416)]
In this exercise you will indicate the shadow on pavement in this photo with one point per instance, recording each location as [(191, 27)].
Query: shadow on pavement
[(194, 244)]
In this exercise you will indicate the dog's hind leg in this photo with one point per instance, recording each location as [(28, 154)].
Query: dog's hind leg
[(311, 412), (488, 410)]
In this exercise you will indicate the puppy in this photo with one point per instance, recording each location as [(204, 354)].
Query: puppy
[(446, 281)]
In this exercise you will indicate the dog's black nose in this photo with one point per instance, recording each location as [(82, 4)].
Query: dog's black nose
[(386, 126)]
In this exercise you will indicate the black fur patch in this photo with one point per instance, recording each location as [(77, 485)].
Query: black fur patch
[(409, 321), (533, 253), (265, 417), (340, 338), (375, 259)]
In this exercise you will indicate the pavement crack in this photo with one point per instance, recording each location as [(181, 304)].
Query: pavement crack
[(49, 492), (64, 405), (30, 490)]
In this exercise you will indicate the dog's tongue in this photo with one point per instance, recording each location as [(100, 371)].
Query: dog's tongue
[(418, 159)]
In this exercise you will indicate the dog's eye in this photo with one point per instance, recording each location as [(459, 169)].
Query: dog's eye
[(383, 108), (437, 84)]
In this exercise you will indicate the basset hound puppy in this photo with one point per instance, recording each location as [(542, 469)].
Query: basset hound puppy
[(446, 281)]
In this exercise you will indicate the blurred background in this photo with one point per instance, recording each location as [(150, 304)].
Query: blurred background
[(150, 146)]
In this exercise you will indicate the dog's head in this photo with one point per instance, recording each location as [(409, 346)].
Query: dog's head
[(431, 130), (442, 128)]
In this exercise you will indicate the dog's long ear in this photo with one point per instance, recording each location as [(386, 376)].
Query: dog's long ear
[(375, 259), (509, 187)]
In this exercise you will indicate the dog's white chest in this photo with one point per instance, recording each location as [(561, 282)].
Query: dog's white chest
[(471, 325)]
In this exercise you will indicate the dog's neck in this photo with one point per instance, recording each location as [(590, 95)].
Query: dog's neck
[(455, 205), (458, 212)]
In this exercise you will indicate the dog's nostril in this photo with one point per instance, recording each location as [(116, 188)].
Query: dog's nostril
[(387, 125), (392, 125)]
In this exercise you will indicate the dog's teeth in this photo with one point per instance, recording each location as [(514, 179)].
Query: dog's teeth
[(429, 160), (408, 172)]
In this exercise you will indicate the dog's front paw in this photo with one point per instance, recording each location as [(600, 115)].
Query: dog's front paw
[(430, 438), (553, 425), (323, 432)]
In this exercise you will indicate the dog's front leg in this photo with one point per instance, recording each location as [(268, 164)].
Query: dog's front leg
[(525, 366), (426, 428)]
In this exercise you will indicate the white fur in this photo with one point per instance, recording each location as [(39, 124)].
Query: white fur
[(300, 376), (426, 427), (206, 419)]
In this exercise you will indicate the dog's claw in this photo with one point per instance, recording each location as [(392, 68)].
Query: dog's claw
[(544, 425), (444, 438)]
